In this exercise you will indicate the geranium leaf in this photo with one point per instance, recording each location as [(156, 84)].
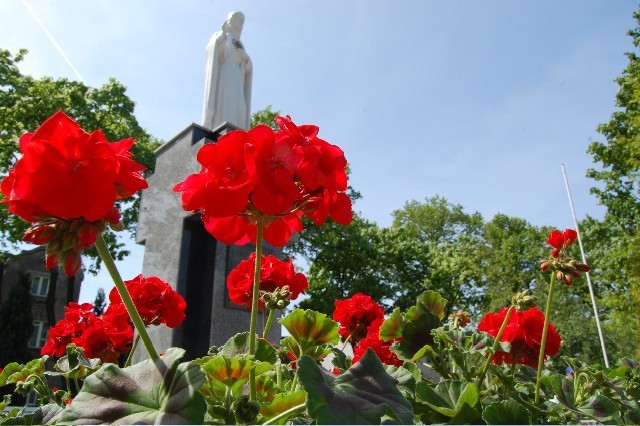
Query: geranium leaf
[(340, 360), (310, 329), (602, 408), (507, 412), (47, 414), (431, 301), (448, 396), (266, 388), (364, 394), (148, 392), (316, 352), (239, 345), (281, 403), (231, 370), (8, 371), (416, 336), (392, 327), (407, 376)]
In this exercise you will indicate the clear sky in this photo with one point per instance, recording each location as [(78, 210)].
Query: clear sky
[(476, 101)]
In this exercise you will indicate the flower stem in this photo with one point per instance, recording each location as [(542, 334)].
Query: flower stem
[(496, 343), (543, 343), (101, 246), (286, 413), (133, 349), (254, 310), (267, 327)]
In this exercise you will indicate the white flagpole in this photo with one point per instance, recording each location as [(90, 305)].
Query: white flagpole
[(584, 260)]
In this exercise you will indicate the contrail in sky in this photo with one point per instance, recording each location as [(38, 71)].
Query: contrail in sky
[(57, 46)]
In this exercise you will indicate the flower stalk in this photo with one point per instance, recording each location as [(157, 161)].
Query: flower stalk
[(101, 246), (496, 343), (543, 343), (254, 310)]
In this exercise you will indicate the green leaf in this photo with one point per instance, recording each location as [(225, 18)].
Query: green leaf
[(8, 371), (230, 370), (407, 375), (317, 352), (416, 336), (47, 414), (364, 394), (391, 328), (148, 392), (281, 403), (431, 301), (310, 329), (239, 345), (340, 360), (448, 396), (506, 413), (602, 408)]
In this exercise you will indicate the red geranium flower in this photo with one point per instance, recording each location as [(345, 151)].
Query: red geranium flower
[(269, 177), (156, 302), (566, 268), (355, 315), (274, 273), (524, 333), (561, 240), (380, 347), (106, 337), (67, 182)]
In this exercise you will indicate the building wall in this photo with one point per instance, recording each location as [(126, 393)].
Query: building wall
[(32, 262)]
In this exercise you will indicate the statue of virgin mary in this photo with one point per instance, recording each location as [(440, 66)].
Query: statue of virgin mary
[(228, 73)]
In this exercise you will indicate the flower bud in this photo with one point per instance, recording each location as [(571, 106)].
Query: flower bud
[(460, 318), (523, 301)]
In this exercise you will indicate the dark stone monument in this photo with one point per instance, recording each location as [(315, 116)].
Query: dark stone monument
[(180, 251)]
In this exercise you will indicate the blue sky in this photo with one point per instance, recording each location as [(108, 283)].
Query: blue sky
[(476, 101)]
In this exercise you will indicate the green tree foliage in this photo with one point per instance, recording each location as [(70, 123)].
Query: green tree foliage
[(616, 240), (265, 116), (16, 323), (100, 302), (343, 260), (25, 102), (432, 245)]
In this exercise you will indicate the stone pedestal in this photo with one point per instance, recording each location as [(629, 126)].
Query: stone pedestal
[(180, 251)]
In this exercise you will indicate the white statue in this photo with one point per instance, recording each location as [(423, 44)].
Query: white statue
[(228, 72)]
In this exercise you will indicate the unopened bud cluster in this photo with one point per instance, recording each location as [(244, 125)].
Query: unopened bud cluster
[(566, 269), (460, 319), (278, 299), (522, 300), (65, 239)]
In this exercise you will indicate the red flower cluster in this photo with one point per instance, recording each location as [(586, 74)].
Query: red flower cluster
[(274, 273), (355, 315), (524, 333), (67, 182), (380, 347), (267, 176), (565, 268), (106, 337), (560, 241), (156, 302)]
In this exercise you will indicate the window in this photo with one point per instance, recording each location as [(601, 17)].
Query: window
[(38, 334), (39, 285)]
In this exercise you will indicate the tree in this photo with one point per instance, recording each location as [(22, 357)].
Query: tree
[(343, 260), (265, 116), (433, 246), (16, 323), (25, 102), (616, 240), (100, 302)]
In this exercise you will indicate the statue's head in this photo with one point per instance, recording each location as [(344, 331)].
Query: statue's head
[(234, 22)]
